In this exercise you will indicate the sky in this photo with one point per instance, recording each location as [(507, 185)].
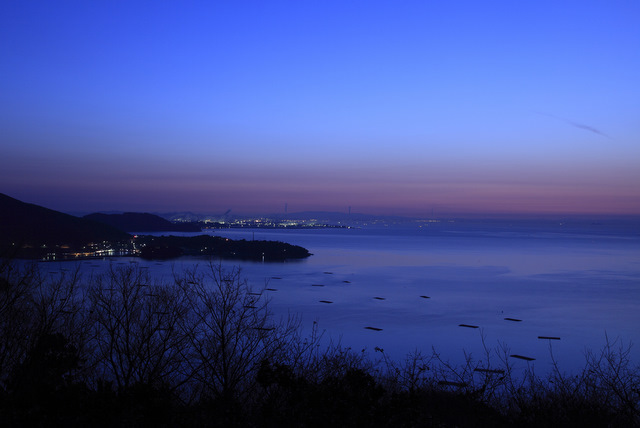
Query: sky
[(388, 107)]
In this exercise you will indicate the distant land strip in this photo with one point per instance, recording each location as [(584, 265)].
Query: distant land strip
[(30, 231)]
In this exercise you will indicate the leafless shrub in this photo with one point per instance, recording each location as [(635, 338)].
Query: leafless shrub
[(229, 331), (605, 392), (208, 337), (410, 374), (611, 378), (16, 308), (137, 330), (34, 305)]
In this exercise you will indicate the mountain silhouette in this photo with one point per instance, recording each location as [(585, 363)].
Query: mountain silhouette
[(23, 224), (141, 222)]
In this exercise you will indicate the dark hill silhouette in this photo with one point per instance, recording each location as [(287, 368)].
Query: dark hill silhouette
[(142, 222), (26, 224), (166, 247)]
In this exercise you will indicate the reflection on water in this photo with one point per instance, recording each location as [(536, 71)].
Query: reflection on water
[(577, 285)]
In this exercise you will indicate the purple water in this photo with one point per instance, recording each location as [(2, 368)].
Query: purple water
[(579, 282)]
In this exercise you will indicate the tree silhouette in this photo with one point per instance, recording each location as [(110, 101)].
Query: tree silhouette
[(136, 329), (230, 331)]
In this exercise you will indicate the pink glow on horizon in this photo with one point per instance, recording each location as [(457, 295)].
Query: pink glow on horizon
[(442, 107), (209, 186), (389, 194)]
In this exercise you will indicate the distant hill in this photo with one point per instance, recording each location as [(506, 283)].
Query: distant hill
[(26, 224), (186, 216), (325, 217), (142, 222), (329, 217)]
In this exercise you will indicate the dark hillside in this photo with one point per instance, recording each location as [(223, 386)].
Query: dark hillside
[(165, 247), (142, 222), (28, 224)]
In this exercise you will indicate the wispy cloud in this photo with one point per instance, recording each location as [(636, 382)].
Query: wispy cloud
[(577, 125)]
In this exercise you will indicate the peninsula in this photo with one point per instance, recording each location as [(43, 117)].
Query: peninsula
[(33, 232)]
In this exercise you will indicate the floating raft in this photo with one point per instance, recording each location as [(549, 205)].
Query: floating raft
[(276, 277), (328, 273), (425, 297), (254, 294), (326, 301), (271, 289), (346, 282), (468, 325), (522, 357), (317, 285), (380, 298), (513, 319), (373, 328), (549, 337)]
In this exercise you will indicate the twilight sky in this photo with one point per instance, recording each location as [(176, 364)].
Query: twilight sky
[(390, 107)]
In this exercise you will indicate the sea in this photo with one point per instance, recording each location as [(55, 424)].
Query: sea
[(548, 290)]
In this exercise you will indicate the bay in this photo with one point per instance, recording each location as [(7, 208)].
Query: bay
[(416, 284)]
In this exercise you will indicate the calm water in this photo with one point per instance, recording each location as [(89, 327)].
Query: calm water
[(578, 282)]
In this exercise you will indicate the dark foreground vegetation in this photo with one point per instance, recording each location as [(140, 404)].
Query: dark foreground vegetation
[(118, 349)]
